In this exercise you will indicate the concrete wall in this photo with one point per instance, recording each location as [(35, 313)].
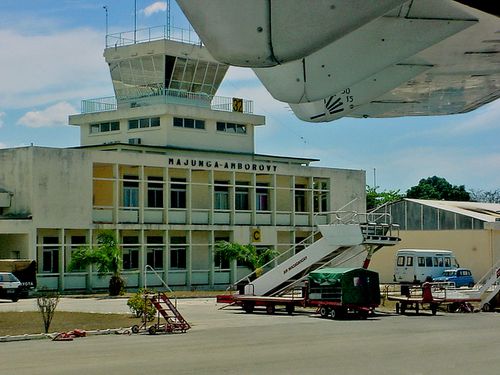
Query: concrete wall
[(474, 249)]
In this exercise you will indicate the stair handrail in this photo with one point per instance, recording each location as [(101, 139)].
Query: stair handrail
[(488, 278), (273, 261), (159, 278)]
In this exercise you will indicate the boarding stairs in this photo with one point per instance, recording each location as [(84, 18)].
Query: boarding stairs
[(488, 286), (347, 237), (175, 322)]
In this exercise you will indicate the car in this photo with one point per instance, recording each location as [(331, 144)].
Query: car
[(459, 277), (10, 286)]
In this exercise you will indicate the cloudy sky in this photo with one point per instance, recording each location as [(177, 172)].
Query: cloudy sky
[(51, 59)]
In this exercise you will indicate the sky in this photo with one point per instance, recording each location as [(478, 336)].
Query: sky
[(51, 59)]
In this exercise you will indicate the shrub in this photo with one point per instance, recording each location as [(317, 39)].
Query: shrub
[(138, 304)]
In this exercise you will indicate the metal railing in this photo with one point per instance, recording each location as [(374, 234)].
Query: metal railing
[(150, 34), (164, 96), (159, 278)]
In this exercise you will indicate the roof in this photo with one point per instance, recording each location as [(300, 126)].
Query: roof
[(488, 212)]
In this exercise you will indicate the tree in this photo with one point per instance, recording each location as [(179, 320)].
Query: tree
[(106, 256), (485, 196), (375, 199), (247, 255), (439, 189), (47, 302)]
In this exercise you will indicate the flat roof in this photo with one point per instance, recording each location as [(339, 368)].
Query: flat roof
[(488, 212)]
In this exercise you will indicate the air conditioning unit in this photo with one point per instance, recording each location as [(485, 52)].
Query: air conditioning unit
[(134, 141)]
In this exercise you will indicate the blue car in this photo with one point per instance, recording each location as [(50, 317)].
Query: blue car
[(460, 277)]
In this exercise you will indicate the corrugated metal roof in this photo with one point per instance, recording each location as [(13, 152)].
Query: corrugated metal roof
[(487, 212)]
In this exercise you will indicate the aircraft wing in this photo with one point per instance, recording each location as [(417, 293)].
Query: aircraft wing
[(359, 58)]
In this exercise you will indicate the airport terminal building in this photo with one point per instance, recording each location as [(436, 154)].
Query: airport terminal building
[(172, 169)]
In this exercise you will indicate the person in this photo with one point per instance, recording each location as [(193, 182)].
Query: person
[(426, 290)]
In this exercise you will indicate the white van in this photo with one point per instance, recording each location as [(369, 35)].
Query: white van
[(414, 265)]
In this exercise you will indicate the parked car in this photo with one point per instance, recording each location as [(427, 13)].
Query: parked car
[(10, 286), (460, 277)]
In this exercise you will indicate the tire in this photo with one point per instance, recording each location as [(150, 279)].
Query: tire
[(152, 330), (333, 314), (471, 285), (15, 299), (270, 309), (324, 311), (487, 307), (248, 307), (434, 308), (135, 328), (290, 309), (363, 314)]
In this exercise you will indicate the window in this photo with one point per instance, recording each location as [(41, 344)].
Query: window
[(229, 127), (447, 262), (178, 253), (154, 253), (401, 261), (262, 197), (421, 261), (178, 193), (221, 195), (155, 192), (130, 191), (409, 261), (149, 122), (104, 127), (189, 123), (76, 243), (300, 198), (428, 261), (50, 254), (130, 253), (241, 196)]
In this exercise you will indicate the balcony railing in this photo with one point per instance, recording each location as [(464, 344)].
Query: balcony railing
[(216, 103), (150, 34)]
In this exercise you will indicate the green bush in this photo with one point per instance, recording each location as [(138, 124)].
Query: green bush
[(138, 305)]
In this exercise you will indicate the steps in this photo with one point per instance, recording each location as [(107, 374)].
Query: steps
[(175, 322)]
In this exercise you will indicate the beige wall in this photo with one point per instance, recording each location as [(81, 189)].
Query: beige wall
[(474, 249)]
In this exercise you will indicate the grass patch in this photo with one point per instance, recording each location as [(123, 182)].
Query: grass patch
[(20, 323)]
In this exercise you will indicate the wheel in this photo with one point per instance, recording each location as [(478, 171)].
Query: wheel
[(135, 328), (270, 309), (152, 330), (324, 311), (471, 285), (15, 299), (487, 307), (248, 307), (397, 308), (290, 309), (403, 308), (333, 314)]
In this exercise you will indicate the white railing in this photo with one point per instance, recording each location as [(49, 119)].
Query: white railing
[(159, 278)]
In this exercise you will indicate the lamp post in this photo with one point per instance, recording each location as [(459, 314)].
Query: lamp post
[(135, 21)]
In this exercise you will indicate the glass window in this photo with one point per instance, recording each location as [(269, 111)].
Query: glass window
[(178, 193), (50, 254), (155, 192), (219, 262), (435, 261), (428, 261), (421, 261), (262, 197), (133, 124), (94, 128), (199, 124), (401, 261), (105, 127), (221, 126), (178, 122), (130, 258), (189, 123), (178, 253), (115, 126), (221, 195), (409, 261), (241, 196), (300, 198), (130, 191), (155, 121)]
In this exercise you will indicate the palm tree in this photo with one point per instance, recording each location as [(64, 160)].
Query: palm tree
[(247, 255), (106, 256)]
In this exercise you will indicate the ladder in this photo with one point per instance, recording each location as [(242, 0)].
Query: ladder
[(339, 242), (175, 322)]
